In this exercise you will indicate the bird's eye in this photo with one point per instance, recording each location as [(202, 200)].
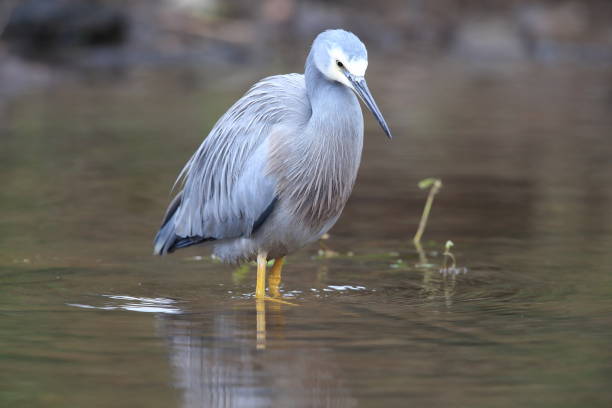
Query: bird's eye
[(339, 64)]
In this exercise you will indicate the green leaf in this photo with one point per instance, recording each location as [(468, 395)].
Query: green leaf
[(449, 244), (428, 182), (240, 273)]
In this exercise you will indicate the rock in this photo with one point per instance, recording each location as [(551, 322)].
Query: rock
[(42, 27)]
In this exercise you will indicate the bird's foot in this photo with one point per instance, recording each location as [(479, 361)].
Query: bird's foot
[(277, 300)]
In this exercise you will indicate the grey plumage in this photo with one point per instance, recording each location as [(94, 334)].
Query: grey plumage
[(278, 167)]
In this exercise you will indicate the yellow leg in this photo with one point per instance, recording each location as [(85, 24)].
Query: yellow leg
[(260, 288), (275, 277)]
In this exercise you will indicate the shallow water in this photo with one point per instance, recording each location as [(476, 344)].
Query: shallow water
[(90, 318)]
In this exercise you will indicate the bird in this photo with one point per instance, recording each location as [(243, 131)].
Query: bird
[(276, 170)]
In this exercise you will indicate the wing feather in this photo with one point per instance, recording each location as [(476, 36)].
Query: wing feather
[(225, 185)]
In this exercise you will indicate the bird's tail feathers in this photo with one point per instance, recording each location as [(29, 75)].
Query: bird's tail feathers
[(166, 238)]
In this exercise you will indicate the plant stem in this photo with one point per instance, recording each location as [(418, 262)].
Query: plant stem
[(423, 223)]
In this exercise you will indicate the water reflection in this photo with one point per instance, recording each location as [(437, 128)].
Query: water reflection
[(260, 307), (132, 304), (216, 363), (241, 352)]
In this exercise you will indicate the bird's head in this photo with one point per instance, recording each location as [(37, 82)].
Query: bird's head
[(340, 56)]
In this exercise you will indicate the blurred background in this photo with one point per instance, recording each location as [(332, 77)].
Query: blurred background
[(509, 102), (41, 39), (108, 34)]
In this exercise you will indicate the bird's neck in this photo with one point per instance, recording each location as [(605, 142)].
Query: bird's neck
[(319, 167), (334, 108)]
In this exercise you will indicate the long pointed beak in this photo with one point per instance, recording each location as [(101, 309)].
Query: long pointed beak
[(361, 89)]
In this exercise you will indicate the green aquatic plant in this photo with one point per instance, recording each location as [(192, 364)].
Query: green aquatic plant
[(241, 273), (448, 255), (434, 186), (324, 250)]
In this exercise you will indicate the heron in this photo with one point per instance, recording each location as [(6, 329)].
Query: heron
[(277, 169)]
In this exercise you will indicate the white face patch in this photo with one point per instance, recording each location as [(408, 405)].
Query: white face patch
[(356, 67)]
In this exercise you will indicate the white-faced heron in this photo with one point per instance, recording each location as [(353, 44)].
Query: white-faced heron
[(277, 169)]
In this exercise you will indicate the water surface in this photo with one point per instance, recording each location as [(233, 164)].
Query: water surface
[(90, 318)]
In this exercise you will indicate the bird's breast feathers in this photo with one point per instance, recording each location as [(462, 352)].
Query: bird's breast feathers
[(315, 176)]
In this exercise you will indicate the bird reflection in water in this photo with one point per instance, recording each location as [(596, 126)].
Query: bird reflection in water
[(260, 308), (215, 362)]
